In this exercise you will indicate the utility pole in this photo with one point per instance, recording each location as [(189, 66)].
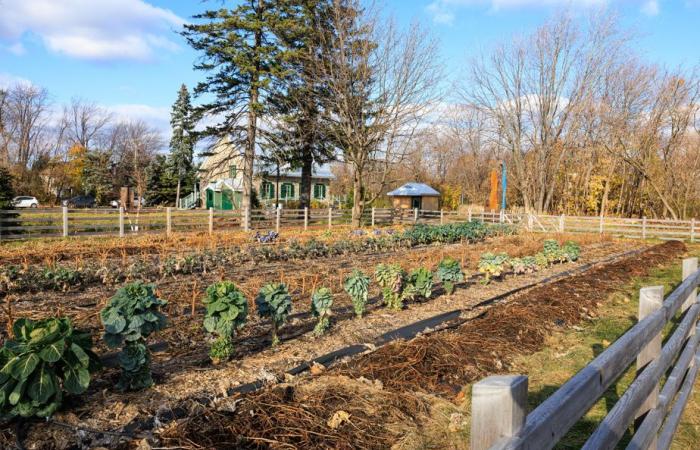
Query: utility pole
[(504, 185)]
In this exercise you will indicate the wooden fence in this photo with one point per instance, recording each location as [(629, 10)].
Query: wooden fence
[(653, 403), (64, 222)]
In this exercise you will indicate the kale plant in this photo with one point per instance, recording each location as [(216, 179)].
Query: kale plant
[(357, 287), (321, 302), (449, 273), (273, 301), (128, 319), (44, 359), (227, 310)]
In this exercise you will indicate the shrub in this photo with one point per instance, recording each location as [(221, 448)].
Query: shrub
[(421, 281), (129, 318), (321, 302), (227, 310), (357, 287), (571, 250), (392, 279), (449, 273), (492, 265), (274, 301), (44, 359)]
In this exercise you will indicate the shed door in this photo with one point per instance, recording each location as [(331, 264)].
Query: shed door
[(415, 202)]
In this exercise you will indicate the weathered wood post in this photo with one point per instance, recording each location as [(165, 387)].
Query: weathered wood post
[(469, 214), (501, 216), (211, 221), (330, 218), (600, 225), (278, 217), (65, 221), (442, 216), (692, 230), (373, 212), (499, 409), (690, 266), (561, 223), (415, 215), (246, 219), (306, 218), (530, 221), (482, 215), (121, 221), (168, 221), (651, 299), (644, 227)]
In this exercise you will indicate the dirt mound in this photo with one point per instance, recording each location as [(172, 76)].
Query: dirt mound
[(443, 362)]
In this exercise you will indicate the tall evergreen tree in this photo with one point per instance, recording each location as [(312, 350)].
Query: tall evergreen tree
[(303, 31), (241, 58), (7, 192), (161, 182), (182, 140)]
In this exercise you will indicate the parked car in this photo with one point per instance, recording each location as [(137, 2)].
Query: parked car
[(25, 201), (114, 203), (80, 201)]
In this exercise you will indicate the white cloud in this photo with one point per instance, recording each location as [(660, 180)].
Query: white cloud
[(651, 8), (156, 116), (443, 11), (99, 30), (8, 80)]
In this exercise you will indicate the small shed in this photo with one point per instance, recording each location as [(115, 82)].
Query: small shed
[(415, 195)]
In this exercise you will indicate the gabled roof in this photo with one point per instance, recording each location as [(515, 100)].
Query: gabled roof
[(414, 190)]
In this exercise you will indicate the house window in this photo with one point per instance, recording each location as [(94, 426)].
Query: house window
[(319, 191), (287, 191), (267, 190), (232, 171)]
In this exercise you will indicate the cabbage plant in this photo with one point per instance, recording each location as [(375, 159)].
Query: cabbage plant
[(492, 265), (227, 311), (571, 250), (128, 319), (274, 302), (392, 279), (43, 360), (357, 287), (321, 302), (449, 273)]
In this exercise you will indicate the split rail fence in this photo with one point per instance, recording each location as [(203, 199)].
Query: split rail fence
[(63, 222), (652, 404)]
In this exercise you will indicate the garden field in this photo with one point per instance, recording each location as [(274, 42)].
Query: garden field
[(334, 379)]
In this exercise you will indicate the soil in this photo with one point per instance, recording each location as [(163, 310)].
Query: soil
[(184, 375)]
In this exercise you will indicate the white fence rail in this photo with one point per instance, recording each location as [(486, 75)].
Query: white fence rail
[(653, 402), (64, 222)]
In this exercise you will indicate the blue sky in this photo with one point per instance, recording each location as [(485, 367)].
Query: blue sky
[(127, 56)]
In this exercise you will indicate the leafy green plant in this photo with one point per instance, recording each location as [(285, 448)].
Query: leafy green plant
[(421, 280), (492, 265), (553, 251), (42, 360), (321, 302), (227, 310), (449, 273), (392, 279), (541, 261), (357, 287), (526, 264), (571, 250), (128, 319), (274, 302)]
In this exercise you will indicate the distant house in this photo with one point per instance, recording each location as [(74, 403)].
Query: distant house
[(415, 195), (221, 180)]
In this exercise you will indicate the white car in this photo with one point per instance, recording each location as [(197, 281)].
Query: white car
[(25, 202)]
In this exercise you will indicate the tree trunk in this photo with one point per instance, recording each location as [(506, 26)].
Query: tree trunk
[(249, 155), (357, 200), (305, 188), (177, 193)]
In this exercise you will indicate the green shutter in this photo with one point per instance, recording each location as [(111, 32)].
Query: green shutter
[(319, 191), (287, 191)]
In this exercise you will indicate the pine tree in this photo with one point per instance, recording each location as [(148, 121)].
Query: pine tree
[(182, 140), (7, 192), (161, 181), (241, 58), (96, 175)]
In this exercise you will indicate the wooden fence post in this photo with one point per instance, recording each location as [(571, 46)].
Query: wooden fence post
[(211, 221), (644, 227), (501, 216), (499, 409), (330, 218), (482, 215), (530, 221), (561, 223), (121, 221), (442, 216), (651, 299), (306, 218), (692, 230), (600, 226), (246, 219), (168, 221), (65, 221), (690, 266), (469, 214), (415, 215), (278, 218), (373, 212)]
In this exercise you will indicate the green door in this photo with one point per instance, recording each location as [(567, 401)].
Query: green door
[(226, 200), (210, 198)]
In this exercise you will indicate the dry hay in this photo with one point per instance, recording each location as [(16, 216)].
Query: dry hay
[(327, 412), (443, 362)]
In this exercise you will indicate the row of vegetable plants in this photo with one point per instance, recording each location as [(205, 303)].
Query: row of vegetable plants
[(24, 278), (48, 359)]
